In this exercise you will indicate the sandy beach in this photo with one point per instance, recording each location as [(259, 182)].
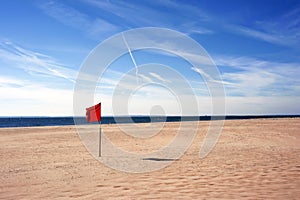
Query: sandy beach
[(254, 159)]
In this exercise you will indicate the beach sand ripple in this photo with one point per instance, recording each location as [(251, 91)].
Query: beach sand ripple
[(254, 159)]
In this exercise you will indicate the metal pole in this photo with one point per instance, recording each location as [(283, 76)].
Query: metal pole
[(100, 139)]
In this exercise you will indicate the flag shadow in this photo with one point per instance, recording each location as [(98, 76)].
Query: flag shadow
[(160, 159)]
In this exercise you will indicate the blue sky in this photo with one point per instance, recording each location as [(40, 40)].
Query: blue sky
[(255, 45)]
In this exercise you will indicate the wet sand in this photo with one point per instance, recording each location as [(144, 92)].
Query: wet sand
[(254, 159)]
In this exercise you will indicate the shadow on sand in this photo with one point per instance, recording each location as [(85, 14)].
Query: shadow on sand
[(160, 159)]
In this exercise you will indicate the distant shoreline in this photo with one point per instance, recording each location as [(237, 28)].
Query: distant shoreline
[(6, 122)]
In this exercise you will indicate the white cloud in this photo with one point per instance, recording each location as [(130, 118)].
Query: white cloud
[(33, 90), (146, 78), (200, 30), (254, 77), (252, 105), (262, 105), (158, 77), (34, 63), (262, 35), (283, 30), (249, 83), (6, 81), (147, 14), (208, 78), (35, 100), (71, 17), (65, 14)]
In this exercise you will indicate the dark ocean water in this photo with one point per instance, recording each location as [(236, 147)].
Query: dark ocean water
[(60, 121)]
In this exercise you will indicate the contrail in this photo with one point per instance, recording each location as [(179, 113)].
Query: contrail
[(132, 58)]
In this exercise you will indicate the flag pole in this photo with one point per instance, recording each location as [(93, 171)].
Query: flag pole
[(100, 139)]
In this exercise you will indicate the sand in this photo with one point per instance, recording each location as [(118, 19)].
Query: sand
[(254, 159)]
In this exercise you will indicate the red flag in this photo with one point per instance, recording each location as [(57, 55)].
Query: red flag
[(93, 114)]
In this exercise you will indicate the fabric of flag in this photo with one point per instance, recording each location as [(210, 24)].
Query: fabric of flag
[(93, 114)]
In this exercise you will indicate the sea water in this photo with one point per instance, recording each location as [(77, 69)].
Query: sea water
[(60, 121)]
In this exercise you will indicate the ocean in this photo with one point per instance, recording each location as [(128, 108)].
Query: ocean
[(61, 121)]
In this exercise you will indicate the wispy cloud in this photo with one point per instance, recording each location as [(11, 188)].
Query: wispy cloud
[(158, 77), (65, 14), (284, 30), (156, 13), (128, 15), (262, 35), (39, 85), (34, 63), (95, 27), (200, 30), (185, 9), (208, 78), (146, 78), (10, 81), (254, 77)]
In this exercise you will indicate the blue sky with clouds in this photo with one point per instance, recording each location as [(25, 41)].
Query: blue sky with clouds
[(255, 45)]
